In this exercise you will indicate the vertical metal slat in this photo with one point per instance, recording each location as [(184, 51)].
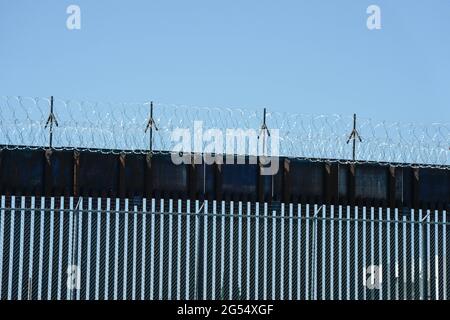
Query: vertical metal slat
[(50, 255), (21, 241)]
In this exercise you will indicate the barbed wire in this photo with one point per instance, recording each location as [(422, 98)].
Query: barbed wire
[(120, 127)]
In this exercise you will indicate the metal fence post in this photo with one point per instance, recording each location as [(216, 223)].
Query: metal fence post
[(314, 253), (425, 257)]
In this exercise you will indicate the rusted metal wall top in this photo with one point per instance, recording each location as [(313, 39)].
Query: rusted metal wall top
[(56, 173)]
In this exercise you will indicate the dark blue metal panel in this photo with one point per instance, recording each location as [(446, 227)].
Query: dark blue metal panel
[(371, 182), (434, 185)]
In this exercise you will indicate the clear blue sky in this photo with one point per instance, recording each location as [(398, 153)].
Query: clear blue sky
[(295, 56)]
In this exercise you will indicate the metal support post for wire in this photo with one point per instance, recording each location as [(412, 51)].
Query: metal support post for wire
[(263, 130), (314, 253), (262, 133), (150, 124), (353, 136), (50, 120)]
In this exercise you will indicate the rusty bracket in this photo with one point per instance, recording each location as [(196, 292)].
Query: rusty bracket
[(76, 156), (122, 186), (76, 166), (122, 157), (48, 155), (148, 159)]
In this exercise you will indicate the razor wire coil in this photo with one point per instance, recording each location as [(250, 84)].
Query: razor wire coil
[(120, 128)]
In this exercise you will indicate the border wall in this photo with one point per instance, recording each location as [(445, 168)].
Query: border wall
[(96, 174)]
